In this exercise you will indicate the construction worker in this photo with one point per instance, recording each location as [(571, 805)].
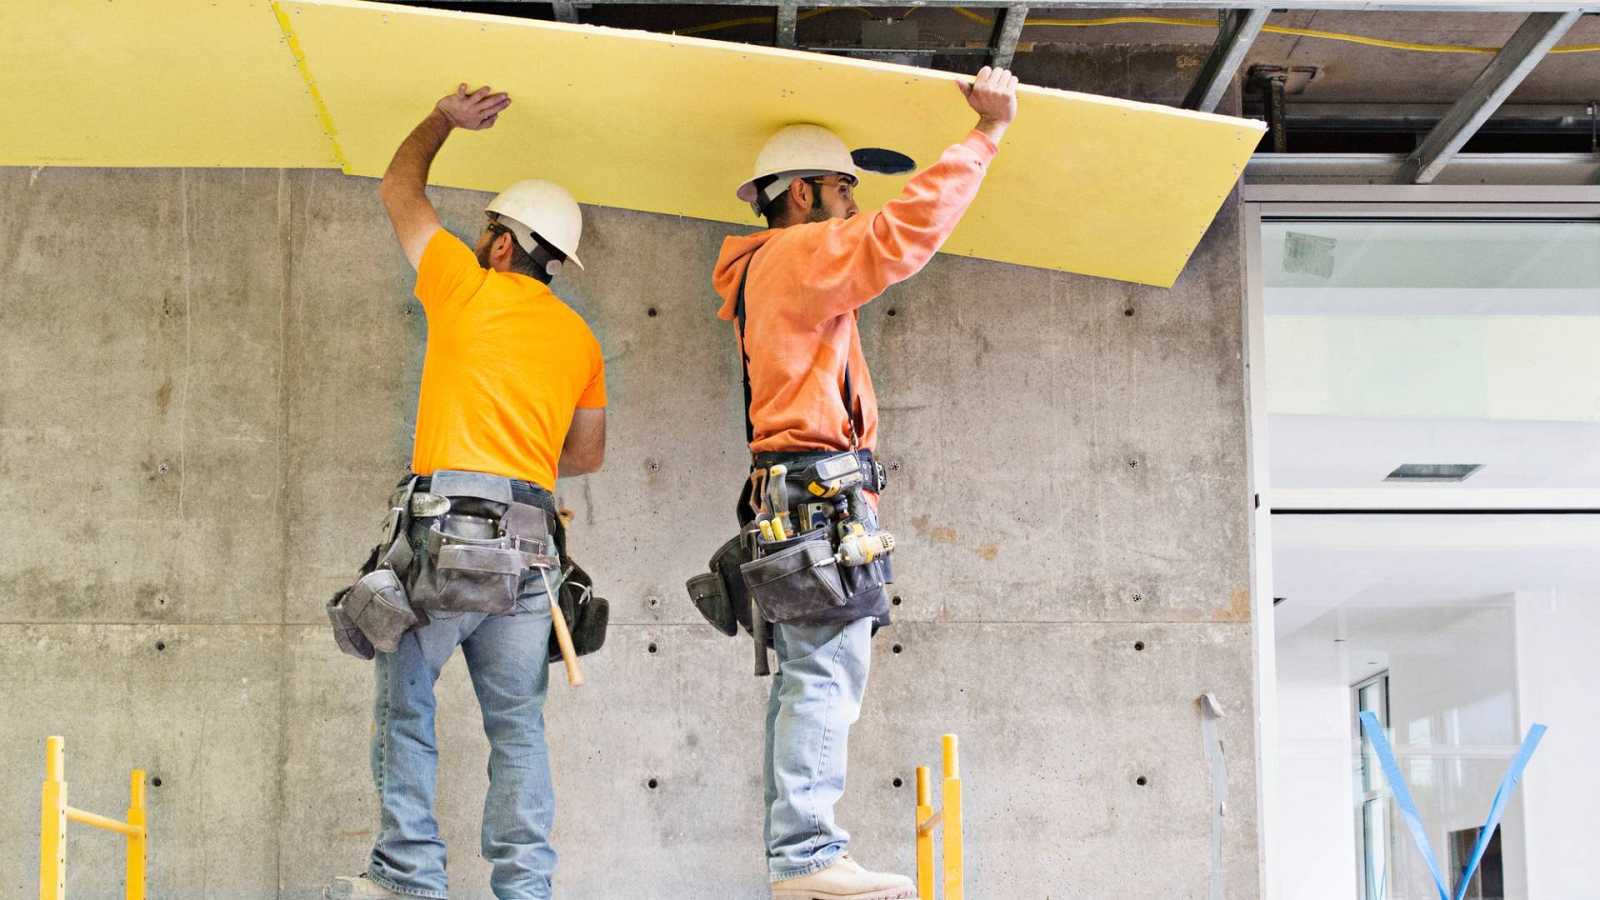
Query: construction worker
[(513, 391), (793, 292)]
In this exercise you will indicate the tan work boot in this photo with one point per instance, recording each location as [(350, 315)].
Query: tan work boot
[(845, 880), (358, 887)]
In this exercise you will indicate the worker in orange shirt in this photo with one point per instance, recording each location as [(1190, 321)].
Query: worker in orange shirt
[(793, 292), (513, 393)]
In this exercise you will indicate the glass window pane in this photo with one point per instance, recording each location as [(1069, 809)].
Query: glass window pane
[(1434, 343)]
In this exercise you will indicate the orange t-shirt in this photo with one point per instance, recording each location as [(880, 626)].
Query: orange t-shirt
[(507, 364), (806, 283)]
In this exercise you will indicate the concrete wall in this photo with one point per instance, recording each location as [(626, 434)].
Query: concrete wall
[(207, 385)]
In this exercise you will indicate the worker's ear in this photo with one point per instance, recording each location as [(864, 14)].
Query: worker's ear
[(502, 246), (800, 192)]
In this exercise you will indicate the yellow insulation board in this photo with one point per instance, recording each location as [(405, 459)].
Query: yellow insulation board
[(153, 83), (668, 124)]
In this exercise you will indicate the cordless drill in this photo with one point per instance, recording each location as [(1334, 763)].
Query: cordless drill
[(832, 482)]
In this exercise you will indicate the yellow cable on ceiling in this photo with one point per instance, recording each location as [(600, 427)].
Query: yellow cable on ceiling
[(765, 20), (1364, 40)]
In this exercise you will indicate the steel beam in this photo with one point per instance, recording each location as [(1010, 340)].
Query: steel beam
[(1007, 32), (1539, 32), (788, 19), (1237, 31)]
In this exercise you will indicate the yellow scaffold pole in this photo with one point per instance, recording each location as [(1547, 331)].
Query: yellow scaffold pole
[(54, 814), (925, 826), (947, 817), (951, 802), (53, 826)]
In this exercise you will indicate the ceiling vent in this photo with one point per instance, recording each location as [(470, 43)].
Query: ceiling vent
[(1433, 472)]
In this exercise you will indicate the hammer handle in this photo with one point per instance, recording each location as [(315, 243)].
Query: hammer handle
[(569, 656)]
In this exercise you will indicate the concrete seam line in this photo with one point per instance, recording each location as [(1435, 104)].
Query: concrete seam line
[(323, 115)]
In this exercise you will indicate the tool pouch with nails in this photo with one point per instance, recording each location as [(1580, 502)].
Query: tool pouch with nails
[(796, 579)]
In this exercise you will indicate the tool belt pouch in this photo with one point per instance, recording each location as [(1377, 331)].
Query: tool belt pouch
[(345, 633), (467, 575), (376, 605), (587, 615), (796, 579), (866, 586), (720, 594)]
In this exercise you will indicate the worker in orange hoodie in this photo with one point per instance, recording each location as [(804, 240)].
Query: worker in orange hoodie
[(793, 292)]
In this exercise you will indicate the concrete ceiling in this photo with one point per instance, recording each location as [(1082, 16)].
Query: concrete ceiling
[(1347, 72)]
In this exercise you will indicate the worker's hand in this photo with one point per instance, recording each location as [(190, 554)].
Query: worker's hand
[(474, 111), (993, 96)]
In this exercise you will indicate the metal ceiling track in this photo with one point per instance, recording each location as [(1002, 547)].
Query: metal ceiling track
[(1239, 23)]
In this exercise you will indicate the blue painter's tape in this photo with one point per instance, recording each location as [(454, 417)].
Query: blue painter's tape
[(1408, 806), (1402, 796), (1502, 796)]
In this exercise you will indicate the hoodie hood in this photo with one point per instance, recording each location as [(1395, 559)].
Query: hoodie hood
[(731, 265)]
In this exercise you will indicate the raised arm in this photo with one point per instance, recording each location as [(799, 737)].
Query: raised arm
[(854, 260), (402, 189)]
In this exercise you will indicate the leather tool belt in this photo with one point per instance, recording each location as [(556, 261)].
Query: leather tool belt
[(458, 542)]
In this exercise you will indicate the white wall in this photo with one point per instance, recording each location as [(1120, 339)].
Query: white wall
[(1558, 667), (1315, 857)]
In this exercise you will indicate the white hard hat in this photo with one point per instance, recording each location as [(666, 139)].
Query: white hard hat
[(796, 151), (543, 208)]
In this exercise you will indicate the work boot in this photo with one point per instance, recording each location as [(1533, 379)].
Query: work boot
[(358, 887), (845, 880)]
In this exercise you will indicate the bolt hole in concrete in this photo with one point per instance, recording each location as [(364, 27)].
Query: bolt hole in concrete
[(652, 648), (651, 312), (899, 783), (1141, 781), (655, 602), (156, 781), (891, 312), (163, 468), (1138, 645), (897, 648), (1128, 311), (1138, 597), (161, 645), (895, 601), (1133, 464), (652, 784)]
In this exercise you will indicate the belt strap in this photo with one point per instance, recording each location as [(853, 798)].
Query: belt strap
[(875, 478), (521, 491)]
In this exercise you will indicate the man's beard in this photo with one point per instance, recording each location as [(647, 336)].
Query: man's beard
[(483, 257)]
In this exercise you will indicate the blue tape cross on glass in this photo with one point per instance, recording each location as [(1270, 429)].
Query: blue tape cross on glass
[(1408, 806)]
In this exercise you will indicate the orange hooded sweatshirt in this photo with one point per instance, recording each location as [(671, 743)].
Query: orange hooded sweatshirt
[(806, 285)]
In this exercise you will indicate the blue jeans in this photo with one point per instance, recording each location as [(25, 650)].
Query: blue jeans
[(816, 697), (506, 658)]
